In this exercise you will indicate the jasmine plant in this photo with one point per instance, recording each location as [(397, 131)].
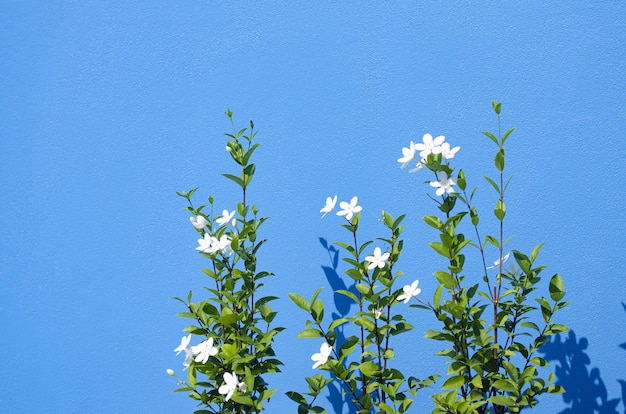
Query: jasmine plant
[(492, 325), (362, 364), (226, 370)]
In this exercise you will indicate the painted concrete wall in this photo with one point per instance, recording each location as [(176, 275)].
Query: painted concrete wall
[(108, 108)]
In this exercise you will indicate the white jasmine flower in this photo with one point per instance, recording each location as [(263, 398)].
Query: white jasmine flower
[(498, 262), (377, 260), (198, 221), (408, 154), (226, 217), (204, 350), (330, 205), (430, 145), (444, 185), (230, 385), (410, 291), (184, 343), (322, 356), (377, 313), (223, 245), (349, 210), (448, 153), (205, 245)]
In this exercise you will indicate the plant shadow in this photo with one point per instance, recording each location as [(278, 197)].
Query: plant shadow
[(337, 399), (585, 391)]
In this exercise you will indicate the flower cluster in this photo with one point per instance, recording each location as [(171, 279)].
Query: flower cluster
[(431, 152), (211, 245), (347, 209)]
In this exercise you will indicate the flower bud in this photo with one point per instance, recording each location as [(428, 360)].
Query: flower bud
[(170, 372)]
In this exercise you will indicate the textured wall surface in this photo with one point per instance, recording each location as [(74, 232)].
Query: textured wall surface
[(108, 108)]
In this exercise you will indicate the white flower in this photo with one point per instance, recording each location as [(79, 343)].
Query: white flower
[(349, 210), (377, 313), (420, 164), (407, 155), (170, 372), (184, 343), (498, 262), (206, 244), (444, 185), (230, 385), (226, 217), (223, 245), (322, 356), (430, 146), (448, 153), (377, 260), (198, 221), (204, 350), (410, 291), (330, 205)]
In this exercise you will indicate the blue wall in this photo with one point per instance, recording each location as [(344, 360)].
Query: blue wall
[(108, 108)]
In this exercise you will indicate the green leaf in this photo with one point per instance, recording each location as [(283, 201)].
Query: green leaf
[(557, 288), (300, 301), (491, 136), (453, 382), (502, 400), (505, 385), (369, 369), (236, 179), (500, 210), (497, 106), (433, 221), (499, 160), (310, 333), (535, 252), (446, 279), (493, 184), (506, 135), (440, 248), (348, 294)]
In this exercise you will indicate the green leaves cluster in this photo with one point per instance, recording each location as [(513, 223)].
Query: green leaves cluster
[(234, 314), (491, 329), (362, 363)]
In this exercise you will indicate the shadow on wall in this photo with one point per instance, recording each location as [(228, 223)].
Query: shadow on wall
[(342, 305), (585, 389)]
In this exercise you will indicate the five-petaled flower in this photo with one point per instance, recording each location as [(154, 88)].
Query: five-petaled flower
[(408, 154), (410, 291), (444, 185), (231, 383), (448, 153), (377, 260), (198, 221), (498, 262), (226, 217), (349, 210), (322, 356), (330, 205), (430, 145), (204, 350)]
